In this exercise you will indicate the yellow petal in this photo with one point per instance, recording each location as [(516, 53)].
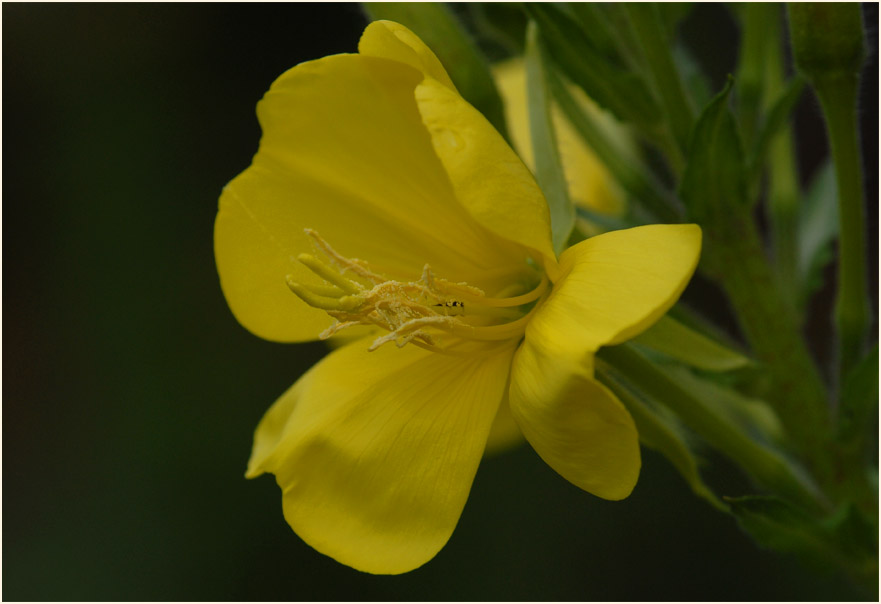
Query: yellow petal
[(489, 179), (274, 425), (574, 423), (615, 285), (344, 152), (391, 40), (379, 449), (590, 183)]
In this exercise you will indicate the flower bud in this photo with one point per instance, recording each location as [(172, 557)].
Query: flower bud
[(827, 38)]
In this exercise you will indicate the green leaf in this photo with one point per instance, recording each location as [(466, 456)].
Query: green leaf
[(660, 431), (763, 463), (672, 14), (776, 524), (693, 77), (604, 221), (714, 184), (548, 166), (856, 534), (846, 539), (620, 91), (645, 19), (691, 347), (752, 416), (778, 117), (501, 23), (627, 170), (817, 229), (606, 25), (435, 23)]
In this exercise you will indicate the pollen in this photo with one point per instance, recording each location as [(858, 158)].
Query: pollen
[(430, 312)]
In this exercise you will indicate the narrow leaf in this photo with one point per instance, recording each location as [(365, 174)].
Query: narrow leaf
[(661, 432), (775, 524), (691, 347), (435, 23), (847, 539), (752, 416), (620, 91), (817, 228), (501, 22), (763, 463), (714, 184), (627, 170), (548, 166), (606, 25), (778, 117), (645, 19)]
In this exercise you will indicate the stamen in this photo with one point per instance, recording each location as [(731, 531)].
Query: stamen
[(431, 313), (344, 303), (323, 271), (353, 264)]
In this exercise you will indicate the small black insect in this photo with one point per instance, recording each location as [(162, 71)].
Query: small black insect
[(453, 306)]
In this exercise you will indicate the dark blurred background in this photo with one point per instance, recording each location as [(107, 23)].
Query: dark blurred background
[(131, 393)]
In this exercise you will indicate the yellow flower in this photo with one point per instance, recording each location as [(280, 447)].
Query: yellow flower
[(381, 201)]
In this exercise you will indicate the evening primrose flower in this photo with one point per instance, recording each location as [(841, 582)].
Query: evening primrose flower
[(380, 203)]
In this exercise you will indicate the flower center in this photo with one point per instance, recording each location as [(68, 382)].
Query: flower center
[(431, 312)]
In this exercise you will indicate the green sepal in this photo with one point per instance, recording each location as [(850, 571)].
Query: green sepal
[(661, 431), (818, 227), (681, 343), (618, 90), (714, 184), (436, 25), (548, 165)]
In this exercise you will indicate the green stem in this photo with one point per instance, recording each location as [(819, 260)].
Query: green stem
[(838, 94), (783, 191), (751, 67), (783, 201), (735, 258), (646, 23), (765, 466)]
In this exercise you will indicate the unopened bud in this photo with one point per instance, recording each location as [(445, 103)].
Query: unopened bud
[(827, 38)]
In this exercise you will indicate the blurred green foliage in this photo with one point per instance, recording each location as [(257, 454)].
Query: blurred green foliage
[(132, 393)]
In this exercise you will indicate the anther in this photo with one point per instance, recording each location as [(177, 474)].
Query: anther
[(429, 313), (325, 272), (305, 293)]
